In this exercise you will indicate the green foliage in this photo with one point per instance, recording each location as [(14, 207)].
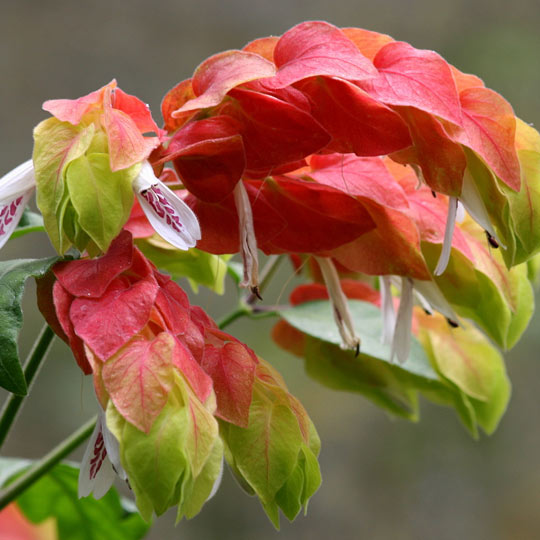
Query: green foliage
[(13, 275), (29, 222), (199, 267), (457, 367), (55, 496)]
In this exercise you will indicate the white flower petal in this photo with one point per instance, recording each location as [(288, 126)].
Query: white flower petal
[(248, 240), (11, 212), (113, 448), (388, 312), (96, 474), (448, 234), (17, 182), (430, 291), (473, 203), (401, 344), (217, 482), (170, 216), (16, 188), (340, 304)]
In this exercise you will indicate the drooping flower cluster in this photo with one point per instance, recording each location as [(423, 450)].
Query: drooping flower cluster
[(384, 170), (165, 374)]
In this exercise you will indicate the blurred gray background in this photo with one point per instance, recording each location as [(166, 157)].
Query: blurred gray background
[(382, 478)]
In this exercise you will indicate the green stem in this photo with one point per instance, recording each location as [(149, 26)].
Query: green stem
[(46, 463), (31, 368), (241, 311)]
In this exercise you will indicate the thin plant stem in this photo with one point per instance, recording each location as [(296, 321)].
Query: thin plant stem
[(46, 463), (31, 368), (241, 311)]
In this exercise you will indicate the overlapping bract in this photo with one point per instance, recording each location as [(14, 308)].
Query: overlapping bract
[(164, 373)]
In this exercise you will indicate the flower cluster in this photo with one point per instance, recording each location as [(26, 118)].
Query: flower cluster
[(388, 174), (164, 375)]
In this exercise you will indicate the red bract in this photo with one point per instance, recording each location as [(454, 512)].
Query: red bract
[(134, 329), (124, 117)]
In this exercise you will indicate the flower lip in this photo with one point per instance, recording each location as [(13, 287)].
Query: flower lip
[(16, 188), (170, 216)]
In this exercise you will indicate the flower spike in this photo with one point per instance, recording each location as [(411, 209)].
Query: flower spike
[(16, 187), (170, 216)]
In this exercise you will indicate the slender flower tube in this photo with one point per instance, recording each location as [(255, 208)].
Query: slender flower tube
[(448, 234), (401, 344), (388, 312), (340, 305), (101, 461), (248, 241), (473, 203), (170, 216), (16, 188)]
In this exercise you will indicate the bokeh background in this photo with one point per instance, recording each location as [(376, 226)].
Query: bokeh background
[(382, 478)]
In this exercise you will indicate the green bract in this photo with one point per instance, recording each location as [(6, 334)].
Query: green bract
[(83, 202), (178, 461)]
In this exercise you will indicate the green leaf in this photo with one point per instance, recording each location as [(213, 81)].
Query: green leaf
[(101, 198), (316, 319), (55, 496), (13, 275), (386, 385), (29, 222), (199, 267)]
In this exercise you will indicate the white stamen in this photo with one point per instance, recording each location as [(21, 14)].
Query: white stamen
[(448, 234), (460, 214), (16, 188), (401, 344), (431, 293), (473, 203), (388, 312), (340, 305), (170, 216), (248, 241)]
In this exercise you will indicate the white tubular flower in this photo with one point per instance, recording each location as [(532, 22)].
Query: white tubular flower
[(340, 305), (448, 235), (101, 462), (16, 188), (401, 344), (388, 312), (248, 241), (473, 203), (434, 298), (170, 216)]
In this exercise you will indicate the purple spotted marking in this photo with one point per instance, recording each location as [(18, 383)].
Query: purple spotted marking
[(162, 207), (6, 214), (100, 453)]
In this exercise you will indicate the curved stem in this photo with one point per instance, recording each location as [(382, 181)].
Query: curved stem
[(31, 368), (46, 463), (241, 311)]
